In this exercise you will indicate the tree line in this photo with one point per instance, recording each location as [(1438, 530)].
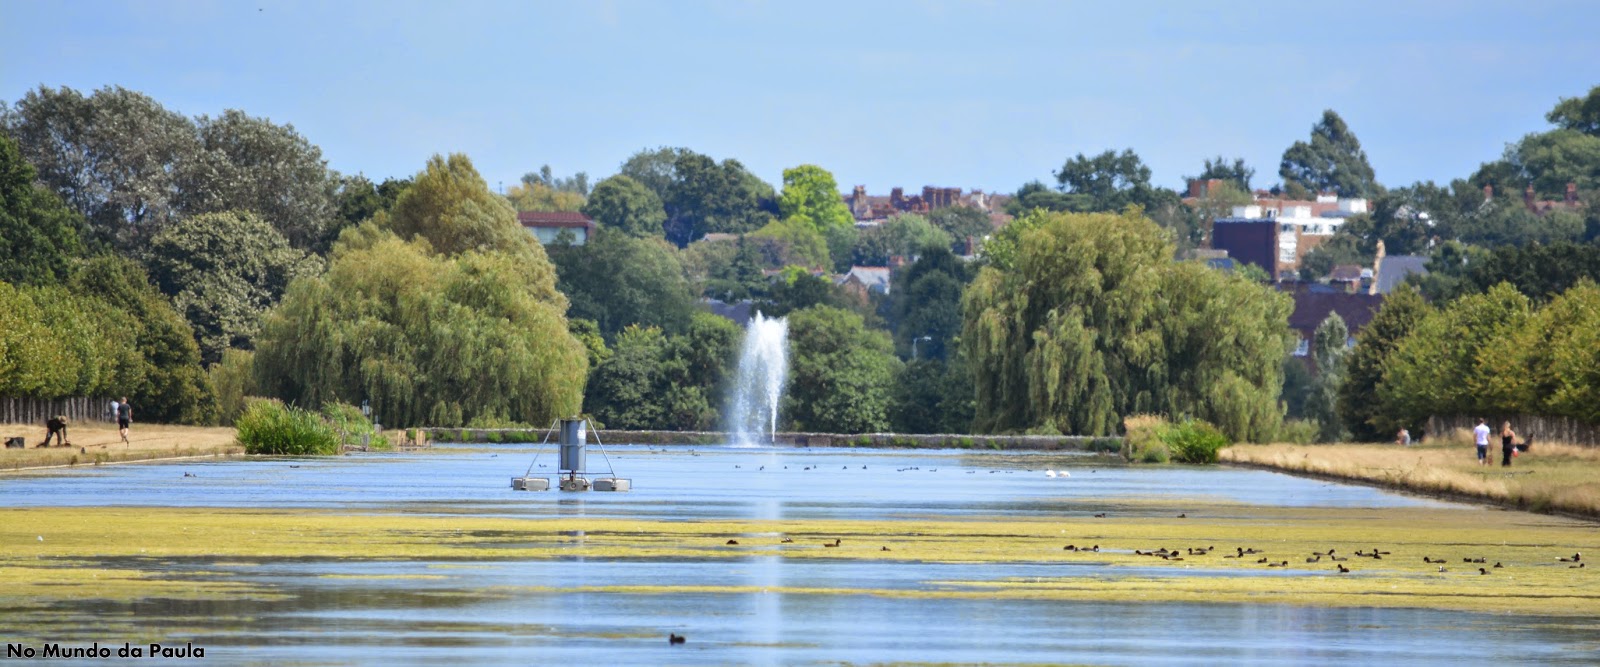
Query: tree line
[(200, 260)]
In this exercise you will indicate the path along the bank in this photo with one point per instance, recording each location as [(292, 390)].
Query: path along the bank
[(97, 443)]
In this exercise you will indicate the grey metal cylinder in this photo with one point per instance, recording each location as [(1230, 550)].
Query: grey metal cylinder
[(574, 433)]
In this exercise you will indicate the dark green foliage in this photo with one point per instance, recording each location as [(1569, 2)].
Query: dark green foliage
[(1333, 161), (1581, 114), (270, 427), (962, 223), (1083, 318), (232, 381), (617, 280), (223, 271), (624, 204), (1297, 384), (841, 373), (1328, 353), (1235, 173), (931, 396), (654, 381), (796, 289), (130, 166), (168, 384), (1443, 365), (700, 195), (1539, 271), (1341, 248), (1109, 181), (926, 303), (38, 234)]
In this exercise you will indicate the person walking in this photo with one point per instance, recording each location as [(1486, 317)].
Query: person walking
[(124, 418), (1480, 437), (1508, 446)]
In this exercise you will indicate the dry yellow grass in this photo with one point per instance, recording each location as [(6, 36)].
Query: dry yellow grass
[(98, 442), (1552, 477)]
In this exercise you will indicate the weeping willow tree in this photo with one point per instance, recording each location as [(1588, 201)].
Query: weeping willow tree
[(444, 313), (1080, 319)]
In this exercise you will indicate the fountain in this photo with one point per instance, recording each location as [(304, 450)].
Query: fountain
[(752, 415)]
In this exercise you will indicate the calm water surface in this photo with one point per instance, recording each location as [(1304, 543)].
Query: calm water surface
[(480, 613)]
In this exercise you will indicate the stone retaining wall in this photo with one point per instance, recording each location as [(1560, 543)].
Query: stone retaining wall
[(908, 441)]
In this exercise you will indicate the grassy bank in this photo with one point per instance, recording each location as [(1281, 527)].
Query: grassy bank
[(53, 554), (1550, 478), (97, 443)]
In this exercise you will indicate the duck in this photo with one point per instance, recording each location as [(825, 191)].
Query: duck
[(1069, 547), (1575, 558), (1343, 569), (1427, 559), (1314, 559), (1101, 515), (832, 544), (786, 540), (1575, 567), (675, 638), (1482, 571), (1183, 516), (1497, 564), (883, 548), (732, 543), (1263, 559)]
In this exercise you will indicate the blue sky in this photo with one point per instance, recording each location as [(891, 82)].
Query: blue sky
[(969, 94)]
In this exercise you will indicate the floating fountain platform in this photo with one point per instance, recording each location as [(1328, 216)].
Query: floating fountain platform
[(571, 473)]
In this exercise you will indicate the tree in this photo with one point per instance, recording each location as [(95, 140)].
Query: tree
[(796, 289), (1236, 174), (1109, 181), (248, 163), (655, 381), (700, 195), (577, 183), (811, 196), (1332, 161), (1080, 319), (428, 339), (786, 243), (1343, 247), (38, 233), (962, 223), (1581, 114), (449, 204), (927, 304), (619, 280), (223, 271), (1328, 353), (168, 384), (1441, 368), (622, 203), (1035, 195), (1359, 410), (114, 157), (905, 235), (932, 396), (841, 373)]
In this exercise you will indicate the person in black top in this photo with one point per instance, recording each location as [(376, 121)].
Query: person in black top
[(1507, 443), (124, 418)]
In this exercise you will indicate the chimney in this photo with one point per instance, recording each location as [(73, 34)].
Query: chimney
[(1527, 198), (1572, 194), (1488, 193), (896, 196)]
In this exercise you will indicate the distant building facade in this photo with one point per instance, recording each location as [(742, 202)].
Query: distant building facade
[(547, 226)]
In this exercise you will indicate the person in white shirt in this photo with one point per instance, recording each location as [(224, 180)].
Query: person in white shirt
[(1480, 437)]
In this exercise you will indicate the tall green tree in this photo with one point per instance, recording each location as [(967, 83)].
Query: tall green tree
[(1441, 367), (927, 304), (38, 234), (1333, 160), (429, 339), (169, 384), (1109, 181), (905, 236), (115, 157), (624, 204), (1581, 114), (250, 163), (1235, 173), (962, 223), (1328, 352), (700, 195), (841, 373), (1080, 319), (618, 280), (1359, 409), (811, 196), (656, 381), (223, 271)]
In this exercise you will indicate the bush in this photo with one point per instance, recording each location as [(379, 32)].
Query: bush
[(267, 426), (352, 427), (1143, 440), (1298, 431), (1194, 441)]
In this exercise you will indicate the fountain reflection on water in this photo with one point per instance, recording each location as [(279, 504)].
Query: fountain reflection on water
[(752, 412)]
